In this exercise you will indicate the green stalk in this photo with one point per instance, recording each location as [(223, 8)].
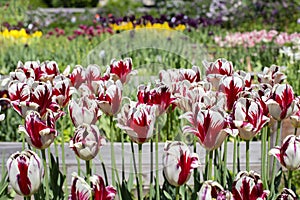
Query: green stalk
[(46, 182), (206, 164), (62, 123), (123, 155), (104, 170), (78, 166), (263, 157), (151, 168), (278, 133), (238, 155), (290, 179), (268, 157), (195, 170), (247, 155), (88, 171), (295, 132), (140, 170), (225, 163), (177, 193), (135, 171), (27, 198), (210, 165), (157, 193), (112, 150)]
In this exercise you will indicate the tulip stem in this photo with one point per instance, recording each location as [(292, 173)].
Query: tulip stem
[(263, 157), (295, 132), (234, 156), (290, 179), (62, 123), (210, 165), (151, 168), (157, 193), (225, 163), (140, 170), (135, 171), (274, 160), (112, 150), (247, 155), (46, 182), (78, 166), (88, 170), (177, 193)]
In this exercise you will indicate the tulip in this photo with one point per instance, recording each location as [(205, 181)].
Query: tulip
[(121, 70), (49, 69), (25, 172), (86, 111), (160, 96), (138, 121), (271, 75), (110, 96), (287, 194), (61, 91), (191, 75), (92, 75), (289, 153), (178, 162), (295, 118), (213, 190), (38, 132), (208, 125), (282, 103), (80, 189), (248, 118), (77, 77), (231, 86), (100, 191), (247, 185), (86, 141)]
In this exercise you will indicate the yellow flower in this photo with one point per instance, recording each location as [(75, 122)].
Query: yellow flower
[(20, 35), (124, 26)]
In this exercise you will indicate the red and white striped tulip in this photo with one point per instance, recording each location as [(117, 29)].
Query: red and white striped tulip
[(282, 103), (121, 69), (25, 172), (102, 192), (87, 141), (213, 190), (295, 119), (86, 111), (248, 117), (109, 96), (271, 75), (138, 121), (77, 77), (61, 91), (92, 76), (287, 194), (80, 189), (178, 162), (38, 132), (289, 153), (221, 66), (49, 69), (248, 186), (160, 96), (208, 125), (231, 86)]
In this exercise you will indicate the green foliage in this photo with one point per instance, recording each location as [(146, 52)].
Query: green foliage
[(120, 8), (13, 11), (72, 3)]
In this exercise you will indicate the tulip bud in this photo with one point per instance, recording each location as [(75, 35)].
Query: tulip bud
[(86, 141), (247, 185), (100, 191), (213, 190), (289, 153), (287, 194), (80, 189), (121, 70), (178, 162), (25, 172)]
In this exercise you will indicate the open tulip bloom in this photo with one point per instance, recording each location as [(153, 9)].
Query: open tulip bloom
[(178, 162), (213, 190), (25, 172)]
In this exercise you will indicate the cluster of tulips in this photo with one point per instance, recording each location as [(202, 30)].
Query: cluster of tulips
[(225, 103), (250, 39)]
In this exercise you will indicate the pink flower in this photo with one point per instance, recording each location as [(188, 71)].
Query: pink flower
[(248, 117), (289, 153), (138, 121), (25, 172), (178, 162), (110, 96), (102, 192), (38, 132), (247, 185), (282, 103)]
